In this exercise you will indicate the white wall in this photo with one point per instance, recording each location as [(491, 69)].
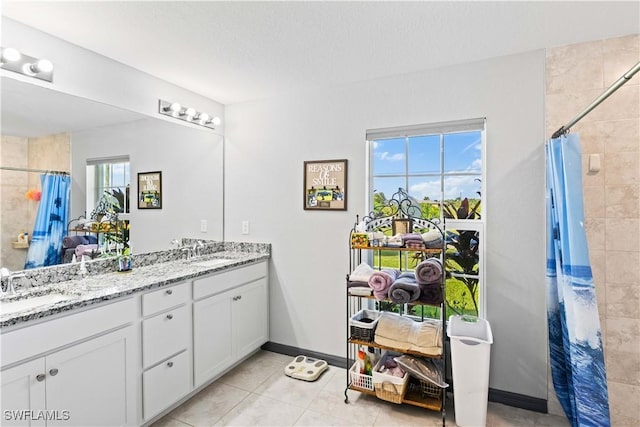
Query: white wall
[(192, 178), (267, 142)]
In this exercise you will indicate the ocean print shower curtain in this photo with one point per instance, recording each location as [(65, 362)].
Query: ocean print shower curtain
[(51, 221), (575, 340)]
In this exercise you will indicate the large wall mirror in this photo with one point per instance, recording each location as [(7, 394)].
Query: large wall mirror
[(46, 130)]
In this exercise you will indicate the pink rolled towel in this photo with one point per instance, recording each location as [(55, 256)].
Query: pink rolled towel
[(380, 282), (85, 250)]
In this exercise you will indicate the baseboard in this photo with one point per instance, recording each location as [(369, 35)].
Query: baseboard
[(340, 362), (518, 400), (498, 396)]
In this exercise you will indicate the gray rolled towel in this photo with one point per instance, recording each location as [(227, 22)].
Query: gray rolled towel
[(429, 271), (404, 289)]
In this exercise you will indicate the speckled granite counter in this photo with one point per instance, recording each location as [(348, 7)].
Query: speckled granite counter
[(152, 271)]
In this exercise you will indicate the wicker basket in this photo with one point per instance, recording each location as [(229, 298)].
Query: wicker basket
[(364, 331), (389, 387), (424, 388), (360, 380)]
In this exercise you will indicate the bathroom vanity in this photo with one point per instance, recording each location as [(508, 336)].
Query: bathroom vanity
[(125, 348)]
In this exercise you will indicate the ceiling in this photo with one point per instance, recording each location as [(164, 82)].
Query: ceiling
[(233, 51)]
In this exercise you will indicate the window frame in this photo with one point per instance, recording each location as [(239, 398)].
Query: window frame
[(442, 129)]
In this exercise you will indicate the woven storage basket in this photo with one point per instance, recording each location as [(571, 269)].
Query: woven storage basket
[(389, 387), (360, 380), (364, 331)]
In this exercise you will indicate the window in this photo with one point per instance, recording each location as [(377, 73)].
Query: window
[(441, 167), (111, 176)]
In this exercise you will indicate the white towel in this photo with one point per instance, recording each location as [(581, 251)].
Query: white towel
[(361, 273)]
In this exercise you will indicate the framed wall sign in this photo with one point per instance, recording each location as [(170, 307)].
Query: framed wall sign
[(150, 190), (325, 185)]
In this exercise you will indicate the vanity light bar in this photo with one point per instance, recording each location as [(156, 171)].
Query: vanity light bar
[(187, 114), (13, 60)]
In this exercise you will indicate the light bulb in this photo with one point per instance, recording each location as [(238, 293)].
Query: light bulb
[(10, 54), (216, 121), (174, 107), (202, 117), (189, 112), (42, 66)]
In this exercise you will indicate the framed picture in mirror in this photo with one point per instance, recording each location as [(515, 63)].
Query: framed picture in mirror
[(150, 190)]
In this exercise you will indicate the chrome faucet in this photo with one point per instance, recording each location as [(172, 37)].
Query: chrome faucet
[(5, 275), (197, 247)]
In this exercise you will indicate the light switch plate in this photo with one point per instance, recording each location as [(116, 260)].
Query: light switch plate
[(203, 225), (245, 227)]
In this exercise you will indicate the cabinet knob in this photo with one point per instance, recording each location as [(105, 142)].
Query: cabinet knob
[(40, 377), (168, 291), (169, 316), (170, 364), (53, 372)]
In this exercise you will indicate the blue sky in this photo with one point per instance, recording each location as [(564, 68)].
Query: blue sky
[(462, 155)]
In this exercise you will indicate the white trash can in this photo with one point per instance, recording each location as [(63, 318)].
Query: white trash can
[(471, 340)]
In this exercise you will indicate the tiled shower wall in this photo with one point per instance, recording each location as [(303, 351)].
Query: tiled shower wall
[(17, 214), (576, 75)]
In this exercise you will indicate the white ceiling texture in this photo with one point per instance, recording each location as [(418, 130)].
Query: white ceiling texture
[(233, 51)]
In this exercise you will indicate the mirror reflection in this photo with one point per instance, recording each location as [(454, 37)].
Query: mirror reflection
[(68, 179)]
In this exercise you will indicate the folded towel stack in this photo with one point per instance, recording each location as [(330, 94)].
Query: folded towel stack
[(413, 240), (404, 289), (86, 250), (360, 275), (380, 282), (404, 334), (395, 241), (429, 276)]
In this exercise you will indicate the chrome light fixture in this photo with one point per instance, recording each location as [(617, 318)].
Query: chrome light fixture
[(13, 60), (188, 114)]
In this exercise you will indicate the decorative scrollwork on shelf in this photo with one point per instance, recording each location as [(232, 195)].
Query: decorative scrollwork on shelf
[(399, 207)]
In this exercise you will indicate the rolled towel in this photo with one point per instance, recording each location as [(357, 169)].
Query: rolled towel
[(430, 294), (404, 289), (73, 241), (380, 281), (85, 250), (429, 271), (432, 239)]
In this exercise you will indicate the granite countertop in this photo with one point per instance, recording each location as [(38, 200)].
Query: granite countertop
[(85, 291)]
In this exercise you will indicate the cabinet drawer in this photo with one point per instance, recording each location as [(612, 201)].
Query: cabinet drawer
[(164, 334), (164, 298), (217, 283), (165, 384)]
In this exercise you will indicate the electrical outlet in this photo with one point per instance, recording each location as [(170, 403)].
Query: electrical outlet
[(245, 227), (203, 225)]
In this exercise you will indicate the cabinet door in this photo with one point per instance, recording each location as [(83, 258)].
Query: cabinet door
[(23, 394), (212, 344), (89, 380), (250, 317)]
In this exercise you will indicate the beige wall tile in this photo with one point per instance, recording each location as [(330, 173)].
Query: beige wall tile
[(623, 301), (591, 138), (624, 103), (621, 201), (623, 334), (624, 404), (623, 367), (610, 136), (595, 228), (622, 234), (623, 267), (594, 199), (620, 54), (575, 67), (621, 169)]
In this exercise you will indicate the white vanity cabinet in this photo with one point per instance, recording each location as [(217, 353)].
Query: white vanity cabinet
[(230, 318), (166, 339), (80, 376)]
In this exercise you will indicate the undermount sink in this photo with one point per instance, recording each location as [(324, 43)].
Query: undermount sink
[(209, 263), (15, 303)]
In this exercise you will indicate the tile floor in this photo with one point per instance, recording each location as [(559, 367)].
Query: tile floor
[(257, 393)]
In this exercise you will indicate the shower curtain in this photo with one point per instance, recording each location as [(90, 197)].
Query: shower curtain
[(51, 221), (575, 341)]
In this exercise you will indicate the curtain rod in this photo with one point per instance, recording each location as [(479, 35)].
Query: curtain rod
[(622, 80), (9, 168)]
